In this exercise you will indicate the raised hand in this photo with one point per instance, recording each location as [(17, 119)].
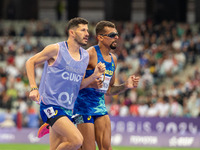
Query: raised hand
[(132, 82), (99, 69)]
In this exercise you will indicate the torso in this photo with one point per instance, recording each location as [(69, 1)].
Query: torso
[(94, 102), (61, 80)]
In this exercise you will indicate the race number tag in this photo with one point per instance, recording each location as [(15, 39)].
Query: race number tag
[(106, 83), (49, 112)]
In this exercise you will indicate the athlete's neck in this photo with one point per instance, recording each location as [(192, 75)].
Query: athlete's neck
[(104, 50), (73, 49), (73, 46)]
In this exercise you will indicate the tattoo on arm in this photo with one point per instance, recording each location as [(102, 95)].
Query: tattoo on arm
[(117, 89)]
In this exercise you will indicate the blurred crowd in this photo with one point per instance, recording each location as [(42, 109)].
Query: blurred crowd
[(152, 51)]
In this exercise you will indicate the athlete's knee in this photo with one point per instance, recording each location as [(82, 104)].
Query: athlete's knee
[(77, 141), (105, 145), (75, 144)]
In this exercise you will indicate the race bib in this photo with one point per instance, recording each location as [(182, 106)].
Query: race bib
[(49, 112), (106, 83)]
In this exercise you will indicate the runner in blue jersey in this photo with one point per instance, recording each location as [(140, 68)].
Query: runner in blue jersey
[(63, 76), (90, 111)]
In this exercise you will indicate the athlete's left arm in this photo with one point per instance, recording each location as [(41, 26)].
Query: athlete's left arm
[(132, 82)]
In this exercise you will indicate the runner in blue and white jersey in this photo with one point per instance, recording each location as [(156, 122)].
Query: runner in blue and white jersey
[(91, 115)]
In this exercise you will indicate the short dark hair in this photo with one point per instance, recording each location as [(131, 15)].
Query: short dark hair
[(74, 23), (101, 25)]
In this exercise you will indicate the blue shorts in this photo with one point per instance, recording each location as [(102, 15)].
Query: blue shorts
[(78, 119), (50, 113)]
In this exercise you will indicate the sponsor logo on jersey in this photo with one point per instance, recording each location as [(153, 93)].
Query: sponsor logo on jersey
[(89, 118), (109, 72), (56, 112)]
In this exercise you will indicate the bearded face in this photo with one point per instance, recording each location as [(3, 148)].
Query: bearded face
[(81, 35), (113, 45)]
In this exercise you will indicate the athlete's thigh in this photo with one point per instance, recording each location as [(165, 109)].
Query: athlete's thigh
[(64, 128), (55, 139), (103, 132), (87, 130)]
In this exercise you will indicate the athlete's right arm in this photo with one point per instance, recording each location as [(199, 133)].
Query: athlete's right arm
[(48, 53), (93, 81)]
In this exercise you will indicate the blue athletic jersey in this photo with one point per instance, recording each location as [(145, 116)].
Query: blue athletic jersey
[(91, 101)]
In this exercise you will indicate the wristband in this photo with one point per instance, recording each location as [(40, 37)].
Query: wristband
[(35, 88)]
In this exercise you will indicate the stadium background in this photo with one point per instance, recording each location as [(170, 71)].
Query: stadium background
[(159, 40)]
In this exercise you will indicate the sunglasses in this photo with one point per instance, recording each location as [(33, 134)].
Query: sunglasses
[(111, 35)]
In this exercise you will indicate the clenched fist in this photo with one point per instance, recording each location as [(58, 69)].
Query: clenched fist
[(34, 95), (132, 82)]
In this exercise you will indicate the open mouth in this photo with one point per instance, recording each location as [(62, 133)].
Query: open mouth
[(114, 43)]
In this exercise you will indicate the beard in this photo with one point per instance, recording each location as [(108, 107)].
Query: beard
[(113, 46), (83, 44), (80, 42)]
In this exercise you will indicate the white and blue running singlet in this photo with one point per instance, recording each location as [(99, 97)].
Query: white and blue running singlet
[(91, 101), (60, 82)]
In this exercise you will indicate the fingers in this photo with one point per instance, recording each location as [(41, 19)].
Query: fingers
[(99, 83), (33, 98), (99, 70), (133, 77), (135, 81), (100, 80), (101, 66), (38, 97)]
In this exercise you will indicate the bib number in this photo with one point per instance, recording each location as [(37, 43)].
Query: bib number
[(106, 83), (49, 112)]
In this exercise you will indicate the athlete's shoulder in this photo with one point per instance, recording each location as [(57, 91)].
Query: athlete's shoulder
[(54, 46), (50, 50), (91, 50), (92, 57)]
